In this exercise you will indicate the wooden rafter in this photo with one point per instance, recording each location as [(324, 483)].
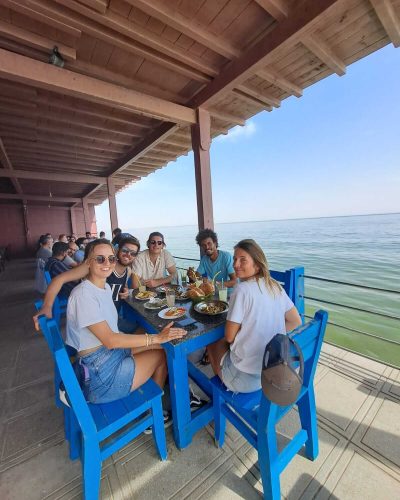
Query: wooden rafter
[(278, 9), (5, 161), (276, 79), (390, 21), (318, 47), (35, 41), (46, 176), (23, 69), (34, 197), (286, 33)]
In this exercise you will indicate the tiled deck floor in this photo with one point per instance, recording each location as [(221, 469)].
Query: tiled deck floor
[(359, 428)]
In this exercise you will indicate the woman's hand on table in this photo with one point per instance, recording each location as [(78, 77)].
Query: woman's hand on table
[(151, 283), (168, 333), (46, 311)]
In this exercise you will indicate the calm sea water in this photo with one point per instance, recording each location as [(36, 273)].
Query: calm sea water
[(358, 249)]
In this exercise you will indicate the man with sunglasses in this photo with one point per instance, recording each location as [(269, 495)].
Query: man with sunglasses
[(154, 266), (118, 280)]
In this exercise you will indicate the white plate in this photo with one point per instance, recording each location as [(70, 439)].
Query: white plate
[(151, 294), (157, 305), (179, 314)]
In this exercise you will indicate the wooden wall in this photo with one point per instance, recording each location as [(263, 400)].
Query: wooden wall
[(40, 220)]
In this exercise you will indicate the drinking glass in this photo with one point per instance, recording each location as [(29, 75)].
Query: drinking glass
[(142, 288), (170, 296), (223, 293)]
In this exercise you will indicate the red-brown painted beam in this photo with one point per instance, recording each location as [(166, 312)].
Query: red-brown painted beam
[(50, 176), (112, 203), (201, 140)]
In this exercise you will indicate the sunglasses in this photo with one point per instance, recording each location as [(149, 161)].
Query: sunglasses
[(154, 242), (100, 259), (132, 253)]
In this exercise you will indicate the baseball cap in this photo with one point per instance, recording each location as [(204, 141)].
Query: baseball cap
[(282, 372)]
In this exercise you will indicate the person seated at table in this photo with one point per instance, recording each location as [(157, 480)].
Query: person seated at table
[(215, 262), (117, 363), (117, 280), (80, 253), (56, 265), (152, 264), (258, 309)]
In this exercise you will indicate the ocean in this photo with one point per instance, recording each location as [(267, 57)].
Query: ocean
[(364, 250)]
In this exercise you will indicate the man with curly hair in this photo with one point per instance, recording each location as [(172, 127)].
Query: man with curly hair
[(215, 261)]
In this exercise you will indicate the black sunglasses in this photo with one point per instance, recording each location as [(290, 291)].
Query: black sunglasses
[(132, 253), (154, 242), (100, 259)]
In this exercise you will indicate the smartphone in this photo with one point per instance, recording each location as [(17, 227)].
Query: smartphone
[(184, 322)]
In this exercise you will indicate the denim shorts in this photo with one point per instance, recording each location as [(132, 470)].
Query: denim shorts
[(236, 380), (109, 376)]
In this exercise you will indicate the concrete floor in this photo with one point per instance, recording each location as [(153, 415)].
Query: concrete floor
[(359, 429)]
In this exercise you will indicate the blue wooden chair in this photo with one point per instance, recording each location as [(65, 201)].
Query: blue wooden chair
[(60, 303), (255, 416), (99, 430)]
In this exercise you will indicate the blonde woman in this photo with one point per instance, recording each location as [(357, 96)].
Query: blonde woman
[(259, 309), (117, 363)]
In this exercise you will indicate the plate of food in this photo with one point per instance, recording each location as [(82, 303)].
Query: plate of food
[(211, 307), (155, 303), (172, 313), (145, 295), (161, 289), (181, 295)]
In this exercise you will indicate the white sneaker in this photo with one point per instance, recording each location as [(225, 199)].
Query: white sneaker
[(167, 422)]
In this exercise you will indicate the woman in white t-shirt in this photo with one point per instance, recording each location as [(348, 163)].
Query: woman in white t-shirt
[(259, 309), (116, 363)]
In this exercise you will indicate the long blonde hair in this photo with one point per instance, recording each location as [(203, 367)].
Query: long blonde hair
[(260, 260)]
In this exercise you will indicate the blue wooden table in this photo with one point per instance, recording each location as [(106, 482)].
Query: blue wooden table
[(205, 330)]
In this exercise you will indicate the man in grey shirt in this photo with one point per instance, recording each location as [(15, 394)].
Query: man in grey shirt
[(46, 244)]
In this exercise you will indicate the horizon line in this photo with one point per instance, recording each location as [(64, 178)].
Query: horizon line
[(281, 220)]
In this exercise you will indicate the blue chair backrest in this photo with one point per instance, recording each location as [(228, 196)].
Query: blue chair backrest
[(47, 277), (57, 347), (292, 282)]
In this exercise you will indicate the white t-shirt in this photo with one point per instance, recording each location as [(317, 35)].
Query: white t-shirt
[(87, 305), (145, 269), (261, 316)]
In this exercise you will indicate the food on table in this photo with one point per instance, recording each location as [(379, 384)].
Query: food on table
[(213, 308), (155, 303), (174, 311), (193, 275), (145, 295), (195, 292), (207, 287)]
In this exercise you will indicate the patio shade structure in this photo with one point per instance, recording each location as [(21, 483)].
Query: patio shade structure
[(96, 94)]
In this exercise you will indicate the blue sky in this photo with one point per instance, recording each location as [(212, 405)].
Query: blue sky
[(334, 151)]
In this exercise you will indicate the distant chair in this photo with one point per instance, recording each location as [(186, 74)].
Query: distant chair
[(96, 431), (255, 416)]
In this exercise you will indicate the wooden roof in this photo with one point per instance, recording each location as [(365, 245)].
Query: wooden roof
[(136, 70)]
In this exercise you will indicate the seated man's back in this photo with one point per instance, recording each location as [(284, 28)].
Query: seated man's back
[(56, 266)]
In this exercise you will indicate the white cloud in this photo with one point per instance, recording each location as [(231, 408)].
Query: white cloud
[(239, 132)]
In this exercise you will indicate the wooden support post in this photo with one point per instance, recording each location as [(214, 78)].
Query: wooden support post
[(86, 214), (74, 228), (201, 141), (112, 203)]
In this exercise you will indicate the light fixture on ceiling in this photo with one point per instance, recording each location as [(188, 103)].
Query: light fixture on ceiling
[(56, 58)]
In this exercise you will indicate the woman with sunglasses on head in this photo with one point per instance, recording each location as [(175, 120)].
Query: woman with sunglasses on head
[(118, 280), (117, 363), (258, 309), (152, 264)]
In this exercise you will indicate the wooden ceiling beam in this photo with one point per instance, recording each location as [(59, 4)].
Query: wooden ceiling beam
[(261, 96), (301, 20), (190, 27), (55, 150), (389, 19), (25, 70), (278, 9), (46, 176), (114, 29), (226, 117), (53, 144), (97, 5), (50, 159), (26, 7), (254, 101), (5, 161), (35, 41), (33, 197), (321, 49), (279, 81)]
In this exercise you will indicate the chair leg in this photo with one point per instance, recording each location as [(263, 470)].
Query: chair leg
[(268, 451), (308, 418), (91, 466), (75, 435), (158, 429), (219, 419)]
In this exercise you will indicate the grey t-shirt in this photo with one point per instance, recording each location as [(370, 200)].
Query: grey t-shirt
[(44, 253), (88, 305)]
